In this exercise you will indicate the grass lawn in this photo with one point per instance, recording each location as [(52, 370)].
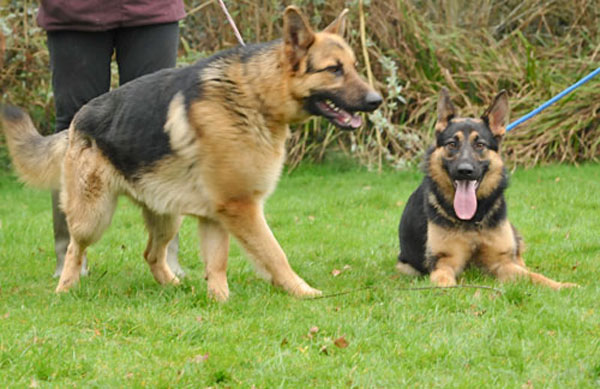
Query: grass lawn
[(121, 329)]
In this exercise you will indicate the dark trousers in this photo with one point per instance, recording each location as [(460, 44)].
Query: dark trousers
[(81, 70)]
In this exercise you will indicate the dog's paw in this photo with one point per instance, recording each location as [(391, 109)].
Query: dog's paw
[(311, 292), (406, 269), (68, 278), (61, 289), (64, 285), (218, 290), (565, 285), (163, 275), (443, 280), (302, 289)]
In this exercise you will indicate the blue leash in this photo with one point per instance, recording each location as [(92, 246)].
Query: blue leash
[(553, 100)]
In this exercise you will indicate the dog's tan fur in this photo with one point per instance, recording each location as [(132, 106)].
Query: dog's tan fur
[(222, 166), (498, 251)]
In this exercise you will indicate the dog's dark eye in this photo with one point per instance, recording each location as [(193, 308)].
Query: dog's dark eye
[(338, 70), (452, 145), (479, 146)]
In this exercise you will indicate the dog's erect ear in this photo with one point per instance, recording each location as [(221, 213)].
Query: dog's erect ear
[(445, 111), (297, 35), (497, 114), (338, 25)]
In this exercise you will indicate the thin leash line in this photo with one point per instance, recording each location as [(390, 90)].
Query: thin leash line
[(232, 23), (553, 100), (410, 289)]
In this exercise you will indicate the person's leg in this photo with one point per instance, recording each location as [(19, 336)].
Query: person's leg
[(146, 49), (143, 50), (80, 65)]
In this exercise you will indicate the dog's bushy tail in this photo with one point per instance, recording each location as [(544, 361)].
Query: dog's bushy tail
[(37, 158)]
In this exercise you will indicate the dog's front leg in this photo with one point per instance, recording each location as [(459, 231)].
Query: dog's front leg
[(447, 254), (161, 230), (245, 220), (447, 270), (214, 242)]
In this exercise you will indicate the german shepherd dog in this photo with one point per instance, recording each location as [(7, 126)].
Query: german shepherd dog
[(457, 216), (207, 140)]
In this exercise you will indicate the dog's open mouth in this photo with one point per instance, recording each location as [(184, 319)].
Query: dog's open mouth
[(465, 198), (337, 115)]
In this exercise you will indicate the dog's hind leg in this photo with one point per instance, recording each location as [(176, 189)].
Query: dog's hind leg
[(509, 271), (502, 256), (87, 220), (88, 200), (246, 221), (72, 266), (161, 230), (407, 269), (214, 242)]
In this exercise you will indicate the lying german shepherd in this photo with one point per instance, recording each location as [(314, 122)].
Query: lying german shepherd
[(457, 215), (207, 140)]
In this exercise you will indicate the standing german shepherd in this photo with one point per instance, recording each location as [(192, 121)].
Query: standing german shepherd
[(457, 215), (207, 140)]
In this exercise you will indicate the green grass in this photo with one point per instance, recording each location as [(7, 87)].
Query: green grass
[(120, 329)]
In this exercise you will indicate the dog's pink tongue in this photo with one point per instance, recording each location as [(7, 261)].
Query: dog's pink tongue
[(465, 199)]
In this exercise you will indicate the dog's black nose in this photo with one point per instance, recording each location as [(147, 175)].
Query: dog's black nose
[(465, 169), (373, 100)]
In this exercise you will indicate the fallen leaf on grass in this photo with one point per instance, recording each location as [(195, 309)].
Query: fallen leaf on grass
[(200, 358), (6, 315), (341, 342), (477, 312), (199, 319), (574, 267), (527, 385), (34, 383), (313, 330), (337, 272)]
